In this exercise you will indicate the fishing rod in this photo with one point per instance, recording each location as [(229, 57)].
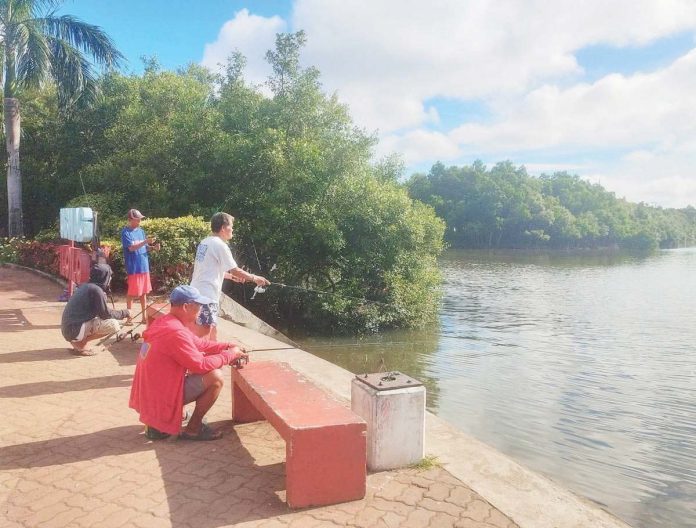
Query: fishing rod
[(121, 335), (251, 350)]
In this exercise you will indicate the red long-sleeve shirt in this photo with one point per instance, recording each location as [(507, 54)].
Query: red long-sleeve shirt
[(169, 350)]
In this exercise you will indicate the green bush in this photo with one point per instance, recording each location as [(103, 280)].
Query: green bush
[(368, 247), (37, 255), (9, 252)]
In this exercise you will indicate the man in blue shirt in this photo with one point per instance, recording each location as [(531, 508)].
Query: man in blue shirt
[(135, 248)]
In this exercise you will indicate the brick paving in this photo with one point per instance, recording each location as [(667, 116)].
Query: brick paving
[(73, 454)]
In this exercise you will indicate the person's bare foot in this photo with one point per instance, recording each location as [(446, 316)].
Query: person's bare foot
[(80, 350)]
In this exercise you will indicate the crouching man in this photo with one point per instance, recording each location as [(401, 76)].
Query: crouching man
[(86, 316), (175, 367)]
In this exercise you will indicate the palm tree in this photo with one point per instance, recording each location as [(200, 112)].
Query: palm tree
[(38, 46)]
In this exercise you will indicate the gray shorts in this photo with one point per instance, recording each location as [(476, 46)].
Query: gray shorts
[(193, 387), (208, 315)]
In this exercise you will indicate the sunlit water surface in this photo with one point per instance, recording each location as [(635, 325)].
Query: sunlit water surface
[(579, 367)]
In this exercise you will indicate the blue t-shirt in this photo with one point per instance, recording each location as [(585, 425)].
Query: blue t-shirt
[(136, 261)]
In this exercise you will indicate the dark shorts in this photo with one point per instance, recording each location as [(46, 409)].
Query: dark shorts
[(193, 387), (208, 315)]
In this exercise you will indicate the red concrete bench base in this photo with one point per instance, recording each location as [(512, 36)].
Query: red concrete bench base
[(325, 442), (155, 310)]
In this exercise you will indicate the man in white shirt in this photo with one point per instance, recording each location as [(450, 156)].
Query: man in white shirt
[(214, 263)]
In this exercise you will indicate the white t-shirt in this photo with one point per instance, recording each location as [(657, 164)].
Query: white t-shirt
[(213, 259)]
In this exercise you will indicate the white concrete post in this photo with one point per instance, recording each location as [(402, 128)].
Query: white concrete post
[(395, 421)]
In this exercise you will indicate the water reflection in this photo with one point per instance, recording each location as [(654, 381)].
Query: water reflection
[(581, 367), (406, 351)]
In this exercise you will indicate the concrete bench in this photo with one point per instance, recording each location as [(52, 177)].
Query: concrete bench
[(155, 310), (325, 442)]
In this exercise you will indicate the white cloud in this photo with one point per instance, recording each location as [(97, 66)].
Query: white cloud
[(419, 145), (252, 35), (661, 176), (615, 111), (387, 59), (409, 51), (548, 168)]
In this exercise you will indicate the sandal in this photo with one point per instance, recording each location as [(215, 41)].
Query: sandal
[(205, 434), (155, 434), (76, 350)]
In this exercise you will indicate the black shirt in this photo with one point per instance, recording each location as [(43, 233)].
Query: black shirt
[(88, 302)]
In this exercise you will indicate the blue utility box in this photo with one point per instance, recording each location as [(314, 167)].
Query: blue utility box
[(77, 224)]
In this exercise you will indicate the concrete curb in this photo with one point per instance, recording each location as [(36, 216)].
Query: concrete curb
[(52, 278)]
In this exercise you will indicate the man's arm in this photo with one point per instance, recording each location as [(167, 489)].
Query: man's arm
[(209, 347), (239, 275), (98, 300), (186, 353)]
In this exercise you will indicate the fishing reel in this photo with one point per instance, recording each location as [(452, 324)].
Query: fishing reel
[(240, 362), (258, 289)]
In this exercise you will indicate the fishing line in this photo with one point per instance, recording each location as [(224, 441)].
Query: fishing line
[(320, 292), (84, 191), (391, 343), (256, 254)]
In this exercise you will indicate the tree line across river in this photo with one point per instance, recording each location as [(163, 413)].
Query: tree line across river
[(504, 207)]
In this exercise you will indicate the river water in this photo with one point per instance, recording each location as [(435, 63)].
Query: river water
[(582, 368)]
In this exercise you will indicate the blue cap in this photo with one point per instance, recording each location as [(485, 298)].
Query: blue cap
[(186, 294)]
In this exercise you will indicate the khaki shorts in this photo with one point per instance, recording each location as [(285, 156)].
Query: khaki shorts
[(98, 327)]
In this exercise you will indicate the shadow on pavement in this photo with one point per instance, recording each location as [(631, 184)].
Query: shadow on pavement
[(125, 351), (13, 320), (47, 354), (70, 449), (207, 484), (43, 388), (36, 288), (243, 490)]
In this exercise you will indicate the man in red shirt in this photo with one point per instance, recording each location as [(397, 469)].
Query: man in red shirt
[(175, 367)]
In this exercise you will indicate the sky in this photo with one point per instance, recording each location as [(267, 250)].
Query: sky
[(605, 89)]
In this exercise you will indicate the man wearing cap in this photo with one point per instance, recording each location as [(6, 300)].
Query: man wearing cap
[(135, 248), (87, 316), (175, 367), (213, 264)]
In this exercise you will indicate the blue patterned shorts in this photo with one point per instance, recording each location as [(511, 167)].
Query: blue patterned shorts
[(208, 315)]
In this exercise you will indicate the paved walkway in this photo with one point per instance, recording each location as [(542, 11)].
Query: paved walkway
[(73, 454)]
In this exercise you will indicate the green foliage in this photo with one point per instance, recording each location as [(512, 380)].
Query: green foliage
[(426, 463), (378, 254), (292, 168), (39, 46), (31, 253), (505, 208), (9, 252)]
